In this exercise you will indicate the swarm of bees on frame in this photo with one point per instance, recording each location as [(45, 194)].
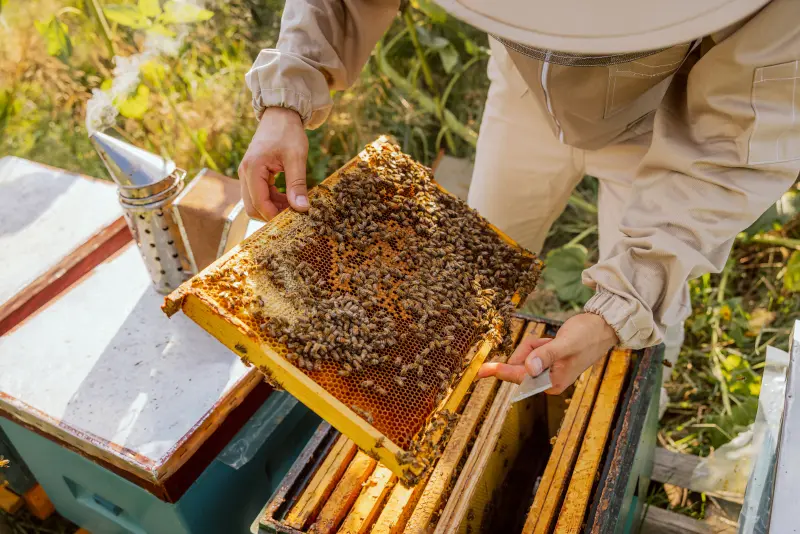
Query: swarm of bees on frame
[(390, 281)]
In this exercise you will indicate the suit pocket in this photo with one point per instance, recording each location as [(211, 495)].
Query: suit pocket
[(776, 102), (628, 82)]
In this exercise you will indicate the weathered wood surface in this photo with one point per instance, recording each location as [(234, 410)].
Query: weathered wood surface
[(368, 504), (345, 494), (322, 484), (458, 505), (576, 502), (627, 470), (544, 510), (38, 503), (677, 469), (659, 521)]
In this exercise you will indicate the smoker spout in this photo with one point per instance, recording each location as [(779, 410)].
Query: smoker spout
[(128, 165)]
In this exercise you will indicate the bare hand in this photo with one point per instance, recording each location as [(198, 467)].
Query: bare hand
[(580, 342), (279, 145)]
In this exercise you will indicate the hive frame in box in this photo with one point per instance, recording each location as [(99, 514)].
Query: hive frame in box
[(625, 447), (233, 333), (398, 509)]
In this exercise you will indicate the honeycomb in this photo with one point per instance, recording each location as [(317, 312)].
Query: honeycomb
[(378, 292)]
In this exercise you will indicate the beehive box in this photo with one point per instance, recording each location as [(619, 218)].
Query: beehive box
[(547, 464), (375, 309)]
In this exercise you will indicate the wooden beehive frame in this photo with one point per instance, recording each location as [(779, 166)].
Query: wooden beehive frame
[(567, 483), (234, 334), (385, 507)]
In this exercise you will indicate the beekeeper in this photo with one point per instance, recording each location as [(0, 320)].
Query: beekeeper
[(686, 111)]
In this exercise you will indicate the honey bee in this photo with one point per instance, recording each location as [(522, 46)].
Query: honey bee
[(423, 386), (367, 384)]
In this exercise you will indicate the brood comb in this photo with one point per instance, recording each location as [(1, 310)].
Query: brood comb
[(375, 309)]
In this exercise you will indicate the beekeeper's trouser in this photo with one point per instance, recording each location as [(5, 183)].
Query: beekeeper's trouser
[(524, 176)]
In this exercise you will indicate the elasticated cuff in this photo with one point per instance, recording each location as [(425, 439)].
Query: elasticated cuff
[(284, 98), (632, 329)]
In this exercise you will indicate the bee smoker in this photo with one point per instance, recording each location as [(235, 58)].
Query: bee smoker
[(147, 186), (180, 228)]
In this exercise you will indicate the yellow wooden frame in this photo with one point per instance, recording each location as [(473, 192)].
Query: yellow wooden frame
[(234, 334), (593, 446)]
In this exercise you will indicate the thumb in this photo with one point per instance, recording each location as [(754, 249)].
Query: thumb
[(296, 191), (543, 357)]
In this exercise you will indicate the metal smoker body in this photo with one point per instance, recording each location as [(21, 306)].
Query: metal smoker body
[(148, 185)]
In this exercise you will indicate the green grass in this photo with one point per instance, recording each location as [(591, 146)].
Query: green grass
[(425, 85)]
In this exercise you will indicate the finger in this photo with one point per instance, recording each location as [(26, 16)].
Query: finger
[(278, 198), (245, 192), (258, 184), (525, 347), (503, 371), (251, 211), (294, 167), (544, 356)]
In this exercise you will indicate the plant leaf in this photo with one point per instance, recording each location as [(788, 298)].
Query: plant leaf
[(160, 29), (150, 8), (127, 15), (430, 40), (787, 207), (564, 268), (56, 37), (436, 14), (449, 57), (791, 280), (184, 13), (134, 107)]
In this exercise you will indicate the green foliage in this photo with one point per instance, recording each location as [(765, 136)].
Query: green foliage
[(56, 35), (127, 15), (722, 428), (791, 279), (563, 268), (135, 107), (184, 13), (148, 15), (777, 215)]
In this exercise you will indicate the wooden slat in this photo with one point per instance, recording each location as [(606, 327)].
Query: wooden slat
[(38, 503), (461, 495), (630, 458), (368, 504), (546, 502), (346, 492), (458, 504), (10, 502), (322, 484), (390, 519), (573, 510), (678, 469), (674, 468), (434, 493), (660, 521)]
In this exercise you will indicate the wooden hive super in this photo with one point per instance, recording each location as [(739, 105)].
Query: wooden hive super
[(548, 464), (392, 268)]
